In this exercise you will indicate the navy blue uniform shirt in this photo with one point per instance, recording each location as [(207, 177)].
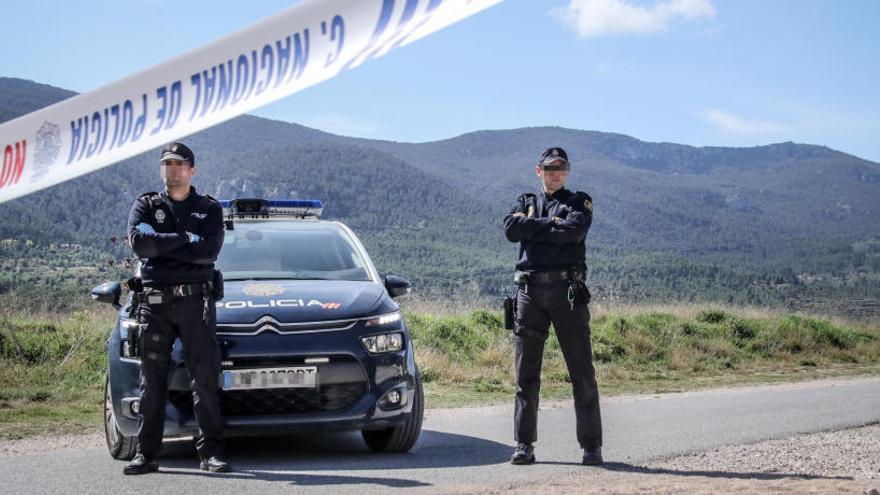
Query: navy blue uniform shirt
[(167, 257), (544, 244)]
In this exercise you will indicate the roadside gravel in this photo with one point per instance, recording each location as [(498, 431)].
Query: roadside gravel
[(43, 444), (844, 461)]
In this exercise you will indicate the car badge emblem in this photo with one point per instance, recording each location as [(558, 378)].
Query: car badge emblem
[(264, 290), (160, 216)]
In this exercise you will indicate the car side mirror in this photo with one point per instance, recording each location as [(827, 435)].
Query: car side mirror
[(397, 286), (108, 293)]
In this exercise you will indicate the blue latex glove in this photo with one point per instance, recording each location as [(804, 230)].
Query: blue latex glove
[(145, 228), (194, 238)]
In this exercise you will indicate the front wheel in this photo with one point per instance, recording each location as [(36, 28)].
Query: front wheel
[(403, 437), (119, 445)]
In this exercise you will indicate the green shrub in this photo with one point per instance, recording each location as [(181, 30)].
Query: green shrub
[(711, 316), (428, 375), (482, 384), (641, 348), (39, 396), (608, 344), (741, 329)]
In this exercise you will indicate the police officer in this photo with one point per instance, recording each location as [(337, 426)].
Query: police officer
[(551, 227), (177, 234)]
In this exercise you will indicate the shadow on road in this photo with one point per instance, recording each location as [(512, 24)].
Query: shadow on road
[(629, 468), (286, 458), (303, 479)]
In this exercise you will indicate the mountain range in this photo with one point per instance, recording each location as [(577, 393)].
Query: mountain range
[(782, 223)]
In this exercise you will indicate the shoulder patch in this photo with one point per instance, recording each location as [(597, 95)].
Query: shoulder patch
[(584, 199)]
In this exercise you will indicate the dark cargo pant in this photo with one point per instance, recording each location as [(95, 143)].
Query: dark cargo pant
[(193, 319), (538, 307)]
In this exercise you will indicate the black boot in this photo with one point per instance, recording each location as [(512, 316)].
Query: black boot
[(592, 457), (524, 454), (215, 464), (140, 465)]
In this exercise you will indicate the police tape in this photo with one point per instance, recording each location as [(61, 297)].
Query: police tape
[(293, 50)]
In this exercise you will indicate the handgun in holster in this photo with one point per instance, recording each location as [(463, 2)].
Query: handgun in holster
[(509, 312), (217, 286)]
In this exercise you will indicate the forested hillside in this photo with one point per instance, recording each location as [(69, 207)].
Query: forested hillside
[(782, 224)]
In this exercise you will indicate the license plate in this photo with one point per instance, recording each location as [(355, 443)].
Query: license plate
[(298, 377)]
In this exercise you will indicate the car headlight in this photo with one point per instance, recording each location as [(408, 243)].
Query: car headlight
[(385, 319), (383, 342)]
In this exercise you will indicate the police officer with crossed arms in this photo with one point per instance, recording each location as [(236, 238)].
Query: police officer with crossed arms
[(177, 234), (551, 228)]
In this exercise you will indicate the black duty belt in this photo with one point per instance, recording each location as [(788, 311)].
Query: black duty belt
[(155, 295), (521, 277)]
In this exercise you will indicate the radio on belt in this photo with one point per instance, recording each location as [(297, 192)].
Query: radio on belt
[(256, 208)]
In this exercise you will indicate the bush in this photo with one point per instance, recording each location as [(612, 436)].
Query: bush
[(483, 384), (711, 316), (429, 375), (608, 344), (741, 329)]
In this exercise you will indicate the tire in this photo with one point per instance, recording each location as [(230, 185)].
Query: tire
[(120, 446), (401, 438)]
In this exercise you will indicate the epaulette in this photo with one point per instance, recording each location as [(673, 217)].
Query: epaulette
[(152, 197), (581, 196), (212, 198)]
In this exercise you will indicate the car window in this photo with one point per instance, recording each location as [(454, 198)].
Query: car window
[(290, 250)]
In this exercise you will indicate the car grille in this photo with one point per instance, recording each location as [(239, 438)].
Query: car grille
[(269, 324), (325, 398)]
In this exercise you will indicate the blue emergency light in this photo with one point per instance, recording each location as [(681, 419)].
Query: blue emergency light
[(265, 208)]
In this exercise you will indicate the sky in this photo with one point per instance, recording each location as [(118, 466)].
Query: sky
[(699, 72)]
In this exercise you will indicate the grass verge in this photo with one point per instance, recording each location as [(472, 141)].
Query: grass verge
[(52, 368)]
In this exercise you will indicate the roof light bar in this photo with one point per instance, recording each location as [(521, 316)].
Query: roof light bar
[(265, 208)]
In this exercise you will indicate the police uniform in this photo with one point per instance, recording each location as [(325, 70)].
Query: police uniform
[(176, 302), (551, 274)]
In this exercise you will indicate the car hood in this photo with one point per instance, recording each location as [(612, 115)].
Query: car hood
[(295, 301)]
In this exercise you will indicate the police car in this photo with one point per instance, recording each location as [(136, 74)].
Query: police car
[(309, 331)]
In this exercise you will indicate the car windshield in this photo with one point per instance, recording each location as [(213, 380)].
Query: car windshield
[(299, 250)]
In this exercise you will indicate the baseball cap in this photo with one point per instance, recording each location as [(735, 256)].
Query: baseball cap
[(177, 151), (554, 154)]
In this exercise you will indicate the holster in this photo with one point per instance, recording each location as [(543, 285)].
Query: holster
[(136, 286), (509, 312), (217, 289), (581, 293)]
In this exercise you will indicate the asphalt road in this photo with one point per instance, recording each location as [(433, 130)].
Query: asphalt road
[(468, 449)]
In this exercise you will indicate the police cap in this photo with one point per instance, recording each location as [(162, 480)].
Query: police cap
[(552, 156), (178, 151)]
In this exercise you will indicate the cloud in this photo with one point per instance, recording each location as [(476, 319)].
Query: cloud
[(732, 124), (594, 18), (343, 124)]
